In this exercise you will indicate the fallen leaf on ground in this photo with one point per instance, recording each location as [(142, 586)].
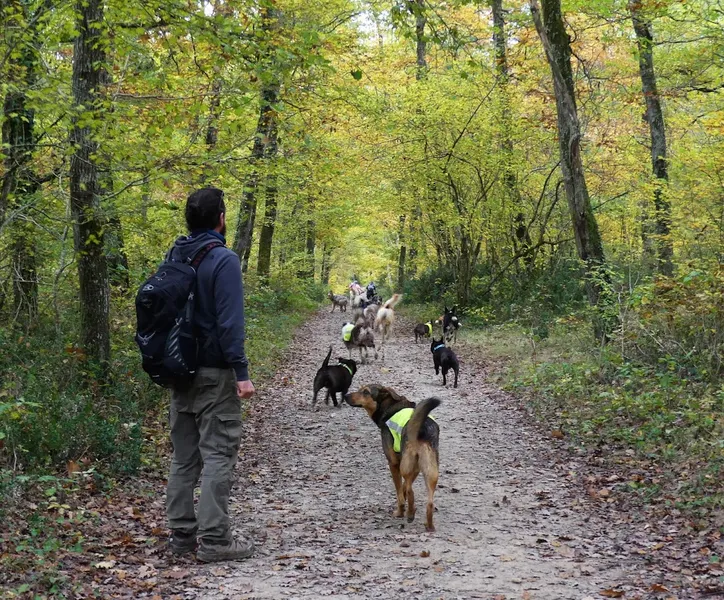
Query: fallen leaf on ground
[(178, 573)]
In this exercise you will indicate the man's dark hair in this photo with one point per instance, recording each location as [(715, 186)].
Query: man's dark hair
[(204, 208)]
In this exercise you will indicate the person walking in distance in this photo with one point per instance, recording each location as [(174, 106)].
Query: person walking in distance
[(205, 416)]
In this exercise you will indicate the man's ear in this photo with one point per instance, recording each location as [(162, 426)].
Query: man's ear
[(222, 220)]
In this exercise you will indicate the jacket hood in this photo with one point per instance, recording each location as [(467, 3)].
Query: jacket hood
[(187, 245)]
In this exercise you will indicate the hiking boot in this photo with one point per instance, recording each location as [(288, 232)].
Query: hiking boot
[(182, 542), (236, 549)]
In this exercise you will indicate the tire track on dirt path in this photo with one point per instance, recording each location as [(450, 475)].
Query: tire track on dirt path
[(315, 490)]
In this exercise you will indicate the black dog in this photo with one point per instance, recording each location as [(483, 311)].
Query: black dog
[(336, 378), (444, 359), (450, 324), (423, 330)]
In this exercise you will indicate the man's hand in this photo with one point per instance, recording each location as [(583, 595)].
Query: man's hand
[(245, 389)]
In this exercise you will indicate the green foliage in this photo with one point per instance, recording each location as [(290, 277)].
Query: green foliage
[(678, 325), (274, 310), (654, 393), (529, 296), (49, 415)]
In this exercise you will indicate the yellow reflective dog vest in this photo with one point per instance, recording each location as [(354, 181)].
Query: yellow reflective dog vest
[(347, 332), (396, 423), (429, 328)]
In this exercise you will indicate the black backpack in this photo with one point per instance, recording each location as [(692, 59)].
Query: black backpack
[(164, 321)]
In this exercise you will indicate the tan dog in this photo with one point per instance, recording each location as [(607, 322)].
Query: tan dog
[(418, 443), (386, 316)]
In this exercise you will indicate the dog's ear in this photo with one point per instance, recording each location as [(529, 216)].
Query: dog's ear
[(385, 393)]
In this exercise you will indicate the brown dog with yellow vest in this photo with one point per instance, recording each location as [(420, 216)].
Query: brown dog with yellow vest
[(410, 440)]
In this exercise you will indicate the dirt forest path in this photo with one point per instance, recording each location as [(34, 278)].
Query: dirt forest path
[(315, 491)]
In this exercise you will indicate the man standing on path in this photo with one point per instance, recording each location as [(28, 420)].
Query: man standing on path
[(206, 418)]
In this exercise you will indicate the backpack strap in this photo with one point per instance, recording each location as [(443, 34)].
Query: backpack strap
[(201, 253)]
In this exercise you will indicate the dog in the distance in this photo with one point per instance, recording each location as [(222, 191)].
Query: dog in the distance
[(410, 448), (445, 359), (359, 335), (423, 330), (336, 378), (386, 316), (370, 314), (338, 300), (450, 325), (367, 312)]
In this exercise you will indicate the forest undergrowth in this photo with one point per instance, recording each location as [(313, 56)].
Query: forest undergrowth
[(84, 467)]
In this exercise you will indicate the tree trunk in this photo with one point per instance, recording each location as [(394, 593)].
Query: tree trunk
[(89, 225), (417, 9), (115, 247), (402, 257), (116, 250), (19, 182), (25, 274), (266, 237), (556, 44), (212, 130), (326, 264), (145, 198), (520, 228), (307, 272), (265, 143), (655, 119)]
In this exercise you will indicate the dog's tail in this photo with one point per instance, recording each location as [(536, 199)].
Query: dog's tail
[(326, 360), (418, 417), (392, 302)]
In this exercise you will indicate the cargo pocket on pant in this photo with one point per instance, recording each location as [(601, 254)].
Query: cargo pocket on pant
[(229, 434)]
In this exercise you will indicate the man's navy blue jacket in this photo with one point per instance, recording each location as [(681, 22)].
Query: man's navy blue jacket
[(219, 303)]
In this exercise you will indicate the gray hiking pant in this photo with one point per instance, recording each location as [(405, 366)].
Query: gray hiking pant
[(205, 433)]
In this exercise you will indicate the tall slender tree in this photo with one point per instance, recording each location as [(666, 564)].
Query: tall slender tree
[(500, 44), (265, 137), (655, 119), (19, 182), (89, 57), (417, 9), (557, 46)]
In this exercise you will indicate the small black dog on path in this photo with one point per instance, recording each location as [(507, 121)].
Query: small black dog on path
[(444, 359), (337, 378), (423, 330)]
